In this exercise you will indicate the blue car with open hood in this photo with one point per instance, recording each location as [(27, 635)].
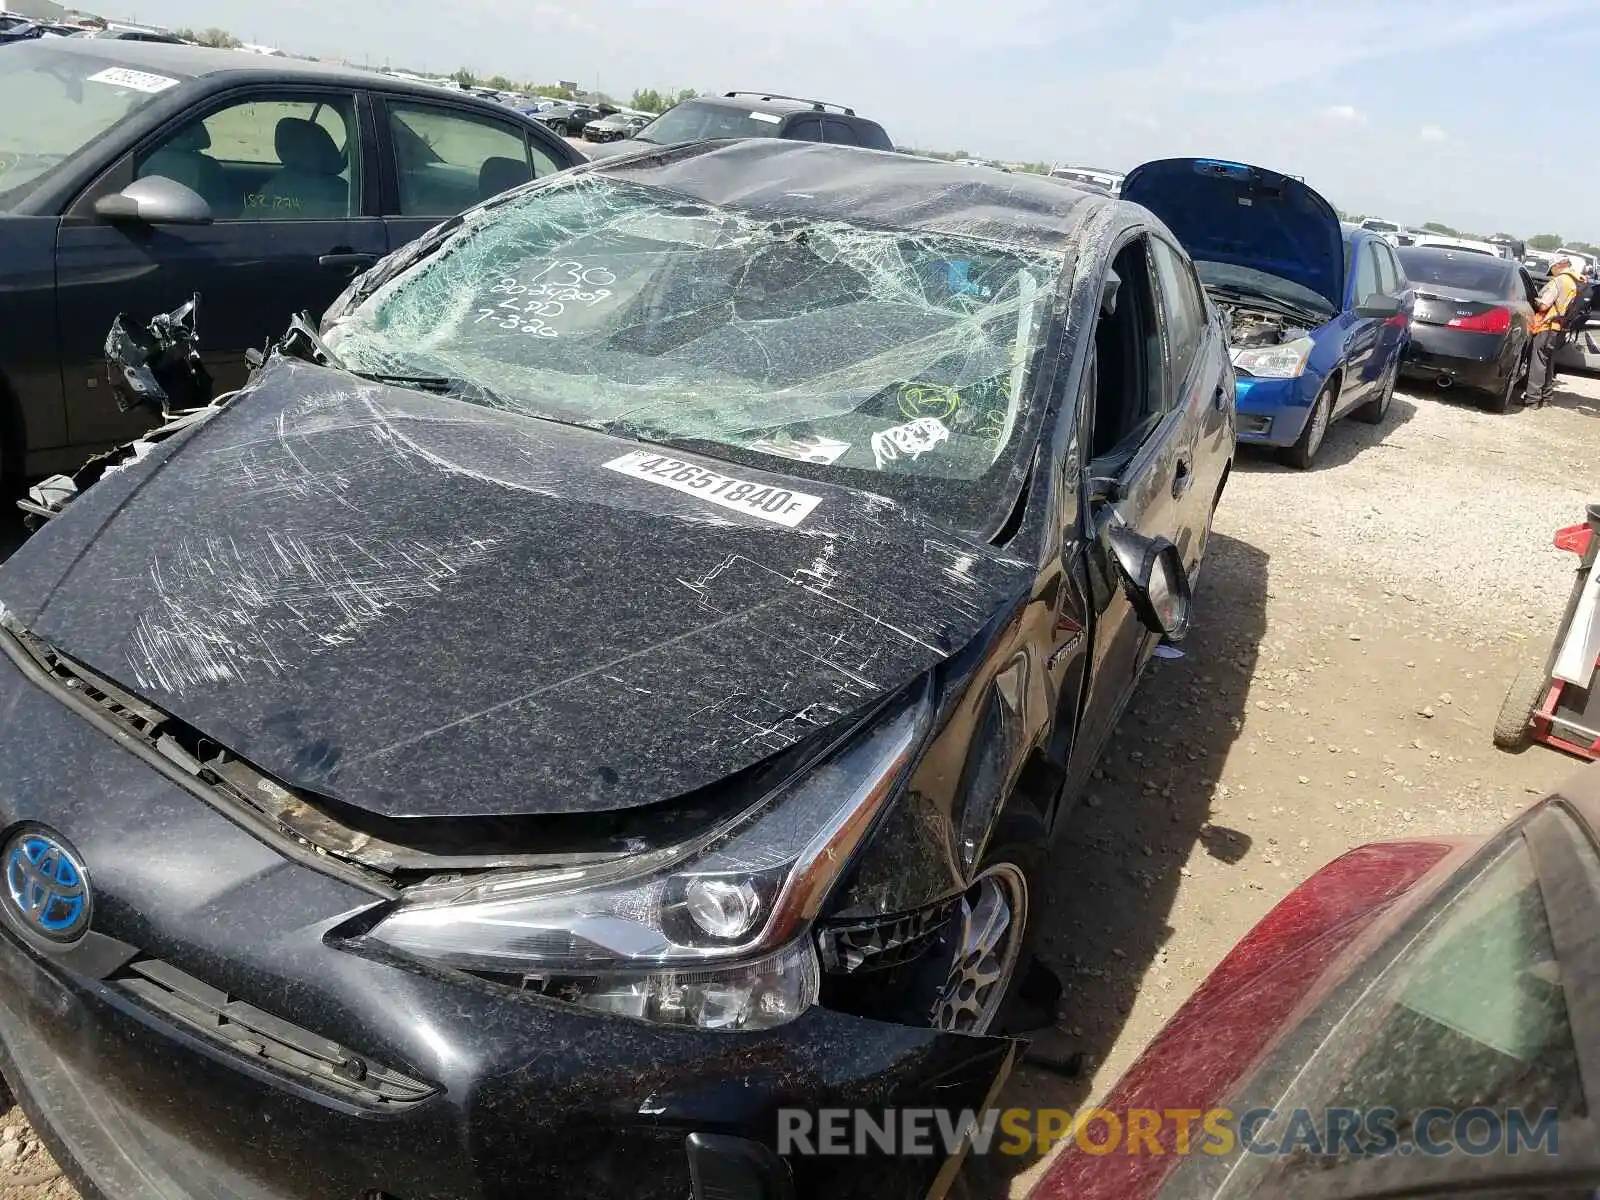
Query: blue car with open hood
[(1317, 314)]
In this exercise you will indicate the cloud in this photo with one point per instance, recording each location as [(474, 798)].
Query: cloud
[(1345, 114), (1432, 133)]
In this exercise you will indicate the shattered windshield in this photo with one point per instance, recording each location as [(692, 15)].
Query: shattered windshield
[(894, 361)]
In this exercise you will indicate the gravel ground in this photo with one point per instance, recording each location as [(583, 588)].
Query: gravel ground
[(1355, 631)]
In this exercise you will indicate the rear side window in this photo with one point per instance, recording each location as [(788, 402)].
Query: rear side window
[(873, 136), (447, 160), (804, 129), (840, 133)]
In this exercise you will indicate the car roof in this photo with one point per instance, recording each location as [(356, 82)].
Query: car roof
[(819, 181), (203, 62)]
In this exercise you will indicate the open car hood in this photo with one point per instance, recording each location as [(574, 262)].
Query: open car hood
[(1246, 216), (426, 608)]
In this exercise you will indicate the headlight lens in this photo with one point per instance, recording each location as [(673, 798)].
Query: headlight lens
[(1284, 361), (713, 934), (757, 995)]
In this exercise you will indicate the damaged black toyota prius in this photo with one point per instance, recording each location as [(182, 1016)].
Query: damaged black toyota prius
[(614, 681)]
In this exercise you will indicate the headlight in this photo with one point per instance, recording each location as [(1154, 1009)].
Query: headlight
[(1273, 362), (713, 934)]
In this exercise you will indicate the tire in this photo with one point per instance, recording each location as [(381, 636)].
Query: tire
[(1516, 381), (1513, 727), (1375, 410), (1013, 863), (1304, 452)]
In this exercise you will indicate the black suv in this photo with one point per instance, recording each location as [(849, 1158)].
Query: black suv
[(754, 114)]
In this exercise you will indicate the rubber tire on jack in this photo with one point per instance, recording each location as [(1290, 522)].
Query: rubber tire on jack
[(1301, 455), (1375, 410), (1513, 727)]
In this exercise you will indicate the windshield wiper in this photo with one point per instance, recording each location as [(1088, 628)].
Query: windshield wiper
[(469, 390), (423, 383)]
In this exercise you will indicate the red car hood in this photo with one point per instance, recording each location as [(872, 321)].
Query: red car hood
[(1299, 952)]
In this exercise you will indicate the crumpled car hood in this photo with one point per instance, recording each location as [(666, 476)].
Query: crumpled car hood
[(426, 608)]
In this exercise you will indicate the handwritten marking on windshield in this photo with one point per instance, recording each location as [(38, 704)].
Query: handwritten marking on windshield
[(534, 308), (781, 506), (515, 322), (911, 440)]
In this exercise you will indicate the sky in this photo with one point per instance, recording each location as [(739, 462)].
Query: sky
[(1408, 109)]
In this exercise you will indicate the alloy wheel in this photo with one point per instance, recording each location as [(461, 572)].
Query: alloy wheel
[(990, 922)]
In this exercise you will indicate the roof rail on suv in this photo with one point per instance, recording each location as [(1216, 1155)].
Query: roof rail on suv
[(819, 105)]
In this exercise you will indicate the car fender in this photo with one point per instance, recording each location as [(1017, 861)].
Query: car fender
[(983, 761)]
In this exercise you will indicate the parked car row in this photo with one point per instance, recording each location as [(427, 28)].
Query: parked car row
[(14, 27), (1095, 178)]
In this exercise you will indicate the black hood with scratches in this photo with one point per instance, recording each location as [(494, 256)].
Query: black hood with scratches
[(425, 608)]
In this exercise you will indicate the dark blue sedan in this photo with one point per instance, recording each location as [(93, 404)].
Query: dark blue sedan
[(1318, 314)]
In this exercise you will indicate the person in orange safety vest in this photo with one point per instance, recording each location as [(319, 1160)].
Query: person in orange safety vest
[(1549, 311)]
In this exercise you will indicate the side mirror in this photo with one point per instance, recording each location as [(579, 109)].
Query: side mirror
[(155, 200), (1153, 575), (1381, 307)]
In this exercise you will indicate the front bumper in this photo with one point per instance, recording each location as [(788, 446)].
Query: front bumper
[(523, 1096), (1473, 360), (1272, 412)]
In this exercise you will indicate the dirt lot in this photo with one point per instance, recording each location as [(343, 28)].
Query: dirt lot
[(1356, 629)]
